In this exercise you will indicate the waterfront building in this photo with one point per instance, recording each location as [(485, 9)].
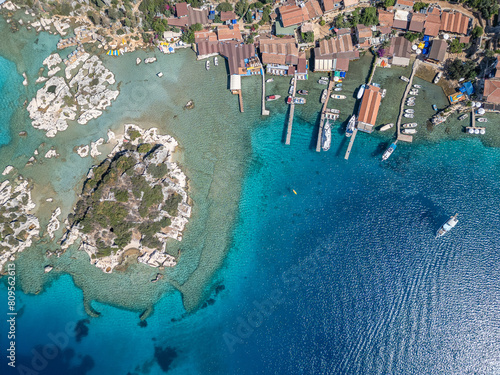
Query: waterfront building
[(455, 22), (279, 55), (438, 50), (229, 32), (491, 91), (400, 51), (328, 51), (368, 110), (432, 24), (364, 36)]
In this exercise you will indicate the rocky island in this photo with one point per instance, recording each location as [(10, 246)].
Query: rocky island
[(131, 203), (17, 225)]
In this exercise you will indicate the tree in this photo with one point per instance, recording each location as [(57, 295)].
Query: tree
[(241, 8), (412, 36), (322, 22), (389, 3), (340, 22), (308, 37), (477, 32), (459, 69), (197, 27), (487, 8), (369, 17), (419, 5), (355, 17), (224, 7), (456, 46), (248, 17)]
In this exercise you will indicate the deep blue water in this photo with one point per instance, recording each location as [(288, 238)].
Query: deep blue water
[(345, 277)]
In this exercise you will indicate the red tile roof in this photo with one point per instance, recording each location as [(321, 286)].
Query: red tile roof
[(279, 51), (432, 25), (454, 22), (406, 3), (207, 48), (336, 45), (385, 18), (205, 35), (224, 32), (226, 16), (236, 53), (370, 105), (181, 9), (492, 91), (302, 66), (313, 9), (363, 31), (350, 3), (292, 15), (342, 64), (328, 5), (417, 22)]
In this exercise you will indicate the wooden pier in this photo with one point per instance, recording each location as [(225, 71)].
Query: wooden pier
[(290, 117), (323, 112), (406, 137), (473, 117), (351, 142), (241, 101)]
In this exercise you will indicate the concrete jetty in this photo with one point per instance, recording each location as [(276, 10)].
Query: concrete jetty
[(323, 112), (241, 101), (406, 137), (351, 142), (290, 117), (265, 112)]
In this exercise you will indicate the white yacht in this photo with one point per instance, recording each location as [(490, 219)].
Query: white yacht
[(446, 227)]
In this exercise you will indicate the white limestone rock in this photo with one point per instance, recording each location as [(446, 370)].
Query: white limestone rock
[(7, 170), (51, 154), (83, 151), (54, 223)]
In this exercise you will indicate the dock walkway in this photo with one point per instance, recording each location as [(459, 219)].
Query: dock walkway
[(351, 142), (265, 112), (290, 117), (322, 119), (406, 137)]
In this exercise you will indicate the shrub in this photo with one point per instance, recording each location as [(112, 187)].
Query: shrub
[(308, 37), (121, 195), (172, 203), (158, 171), (144, 148), (224, 7)]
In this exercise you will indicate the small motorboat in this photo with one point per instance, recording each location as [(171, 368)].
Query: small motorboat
[(337, 96), (463, 117), (361, 91), (384, 91), (390, 150), (437, 77), (410, 125), (159, 74), (325, 78), (299, 100), (323, 82), (338, 85), (417, 86), (337, 89), (411, 98), (333, 110), (292, 81), (409, 110), (302, 92), (270, 98), (434, 107), (409, 131), (482, 119), (324, 96), (403, 78), (408, 115), (410, 104), (207, 65), (216, 61), (290, 90), (386, 127), (269, 80)]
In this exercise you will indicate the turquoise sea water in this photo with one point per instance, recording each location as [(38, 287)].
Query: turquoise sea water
[(345, 277), (10, 83)]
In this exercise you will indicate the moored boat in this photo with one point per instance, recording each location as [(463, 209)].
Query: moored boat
[(269, 80), (446, 227), (324, 95), (361, 91), (403, 78), (272, 97), (207, 65), (326, 137), (216, 61), (292, 81), (323, 82), (390, 150), (290, 90), (337, 96), (386, 127), (302, 92), (333, 110), (384, 91), (463, 117), (409, 131), (409, 110), (159, 74), (408, 115), (338, 85), (325, 78), (434, 107), (299, 100), (482, 119), (437, 77), (417, 86), (410, 125), (337, 89), (350, 126)]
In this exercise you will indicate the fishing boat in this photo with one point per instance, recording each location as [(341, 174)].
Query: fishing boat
[(269, 80), (290, 90), (299, 101), (337, 96), (324, 95), (302, 92), (446, 227), (410, 125), (434, 107), (408, 115), (361, 91), (403, 78), (410, 104), (386, 127), (384, 91), (325, 78), (207, 65), (411, 98), (338, 85), (463, 117), (350, 126), (270, 98), (417, 86), (216, 61), (409, 110), (326, 137), (289, 100), (437, 77), (413, 92), (482, 119), (337, 89), (159, 74), (409, 131), (323, 82), (292, 81), (333, 110), (389, 151)]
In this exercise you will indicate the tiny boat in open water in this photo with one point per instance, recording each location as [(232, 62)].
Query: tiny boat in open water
[(269, 80), (446, 227), (403, 78), (302, 92), (463, 117), (390, 150), (434, 107), (337, 96), (386, 127), (409, 131), (361, 91), (410, 125), (159, 74), (216, 61), (270, 98), (207, 65)]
